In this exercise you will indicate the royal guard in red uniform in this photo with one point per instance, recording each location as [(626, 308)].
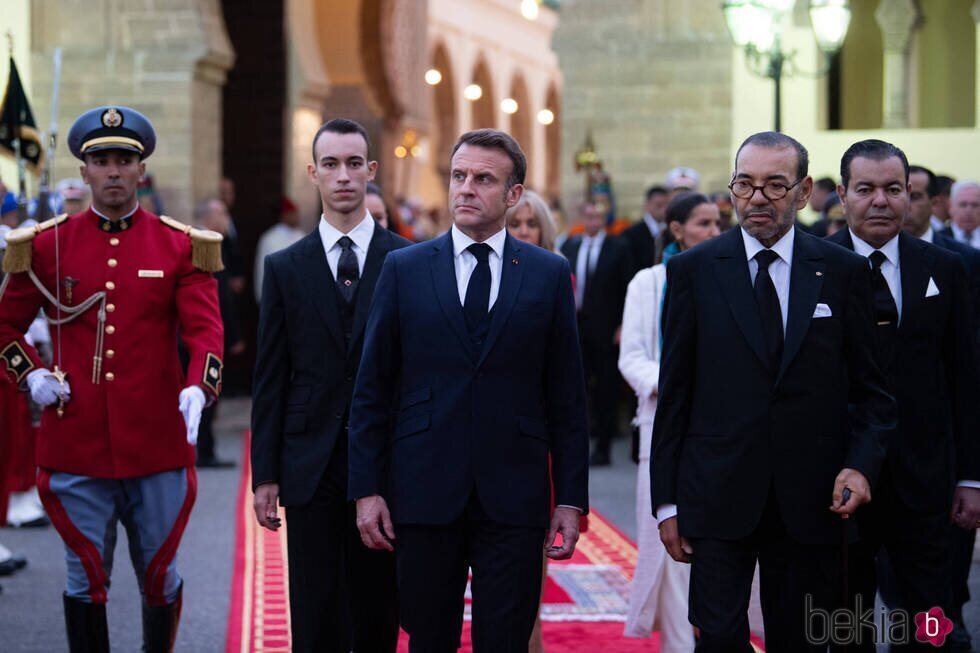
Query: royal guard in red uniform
[(118, 285)]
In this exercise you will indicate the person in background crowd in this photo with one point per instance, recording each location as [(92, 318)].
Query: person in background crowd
[(231, 248), (642, 236), (964, 213), (926, 336), (603, 267), (211, 214), (8, 210), (824, 196), (276, 238), (149, 198), (940, 202), (74, 195), (375, 202), (315, 300), (658, 594), (529, 221), (760, 427), (723, 200), (116, 436)]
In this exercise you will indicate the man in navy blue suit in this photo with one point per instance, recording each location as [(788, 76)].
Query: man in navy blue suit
[(471, 380)]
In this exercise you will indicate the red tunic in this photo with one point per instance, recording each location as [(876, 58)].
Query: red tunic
[(127, 422)]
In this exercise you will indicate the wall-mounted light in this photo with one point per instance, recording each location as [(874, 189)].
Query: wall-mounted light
[(546, 116), (432, 77), (401, 152), (508, 105), (529, 9), (473, 92)]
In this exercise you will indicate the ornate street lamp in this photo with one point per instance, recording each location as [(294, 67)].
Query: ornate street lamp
[(757, 25)]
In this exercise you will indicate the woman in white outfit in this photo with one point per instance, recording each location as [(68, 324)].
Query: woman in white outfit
[(658, 595)]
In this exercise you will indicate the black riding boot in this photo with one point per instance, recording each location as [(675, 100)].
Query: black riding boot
[(86, 626), (160, 625)]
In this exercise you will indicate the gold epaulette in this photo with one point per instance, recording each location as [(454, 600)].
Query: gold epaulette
[(205, 245), (18, 256)]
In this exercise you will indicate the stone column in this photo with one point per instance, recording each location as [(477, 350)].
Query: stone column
[(897, 20), (165, 58)]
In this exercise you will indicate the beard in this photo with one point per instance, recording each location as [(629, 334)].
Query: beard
[(780, 223)]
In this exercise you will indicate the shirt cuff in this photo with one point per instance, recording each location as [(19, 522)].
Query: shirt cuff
[(562, 505), (666, 511), (974, 484)]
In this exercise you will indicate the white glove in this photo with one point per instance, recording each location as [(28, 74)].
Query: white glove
[(191, 404), (45, 388)]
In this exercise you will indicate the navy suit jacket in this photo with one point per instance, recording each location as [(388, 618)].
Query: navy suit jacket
[(304, 369), (726, 431), (933, 373), (470, 420)]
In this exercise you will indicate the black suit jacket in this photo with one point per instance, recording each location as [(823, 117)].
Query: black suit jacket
[(470, 419), (933, 373), (971, 259), (642, 244), (304, 370), (726, 431), (605, 292)]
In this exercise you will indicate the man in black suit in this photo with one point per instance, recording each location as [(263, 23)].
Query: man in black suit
[(760, 428), (315, 300), (926, 335), (642, 235), (471, 381), (603, 268)]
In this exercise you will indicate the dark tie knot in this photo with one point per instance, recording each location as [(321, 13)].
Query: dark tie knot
[(345, 243), (481, 251), (877, 258), (765, 258)]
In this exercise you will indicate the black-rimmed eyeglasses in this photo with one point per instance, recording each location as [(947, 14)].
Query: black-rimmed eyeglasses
[(771, 190)]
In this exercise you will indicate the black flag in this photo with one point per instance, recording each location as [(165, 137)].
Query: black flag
[(17, 119)]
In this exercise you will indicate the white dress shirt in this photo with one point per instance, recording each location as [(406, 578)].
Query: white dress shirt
[(361, 235), (588, 254), (778, 269), (960, 235), (929, 236), (465, 262), (889, 267), (652, 224), (936, 223)]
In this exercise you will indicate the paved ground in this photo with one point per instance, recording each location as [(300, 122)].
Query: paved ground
[(30, 605)]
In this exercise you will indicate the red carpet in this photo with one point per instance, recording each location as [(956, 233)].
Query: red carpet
[(584, 604)]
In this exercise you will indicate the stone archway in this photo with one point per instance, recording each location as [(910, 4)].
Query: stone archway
[(484, 109), (522, 120), (552, 145), (444, 110)]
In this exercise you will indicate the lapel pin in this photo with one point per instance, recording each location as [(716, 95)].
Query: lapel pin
[(819, 274), (514, 261)]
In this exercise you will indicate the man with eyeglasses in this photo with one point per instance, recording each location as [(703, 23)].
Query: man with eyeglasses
[(771, 405)]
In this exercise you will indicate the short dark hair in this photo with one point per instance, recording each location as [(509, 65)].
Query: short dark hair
[(679, 209), (656, 190), (497, 140), (373, 189), (825, 184), (944, 184), (932, 186), (874, 149), (777, 140), (341, 126)]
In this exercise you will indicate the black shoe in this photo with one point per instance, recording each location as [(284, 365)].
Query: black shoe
[(599, 458), (37, 522), (160, 625), (86, 625), (12, 564), (215, 463)]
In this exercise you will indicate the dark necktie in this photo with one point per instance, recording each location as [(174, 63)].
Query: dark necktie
[(347, 274), (886, 312), (477, 303), (769, 310)]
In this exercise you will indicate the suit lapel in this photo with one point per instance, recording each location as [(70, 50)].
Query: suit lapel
[(511, 276), (443, 271), (805, 283), (915, 263), (732, 272), (312, 261), (379, 246)]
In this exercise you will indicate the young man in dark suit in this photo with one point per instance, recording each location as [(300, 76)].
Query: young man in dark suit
[(642, 235), (315, 300), (926, 335), (760, 427), (471, 381), (603, 268)]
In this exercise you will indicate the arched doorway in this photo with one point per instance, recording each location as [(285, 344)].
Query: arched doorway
[(484, 108), (443, 110), (521, 119), (552, 144)]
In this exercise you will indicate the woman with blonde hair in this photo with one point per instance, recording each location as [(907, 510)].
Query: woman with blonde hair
[(658, 594), (530, 221)]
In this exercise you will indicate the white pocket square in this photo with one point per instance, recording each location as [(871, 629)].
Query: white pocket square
[(822, 310), (932, 289)]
